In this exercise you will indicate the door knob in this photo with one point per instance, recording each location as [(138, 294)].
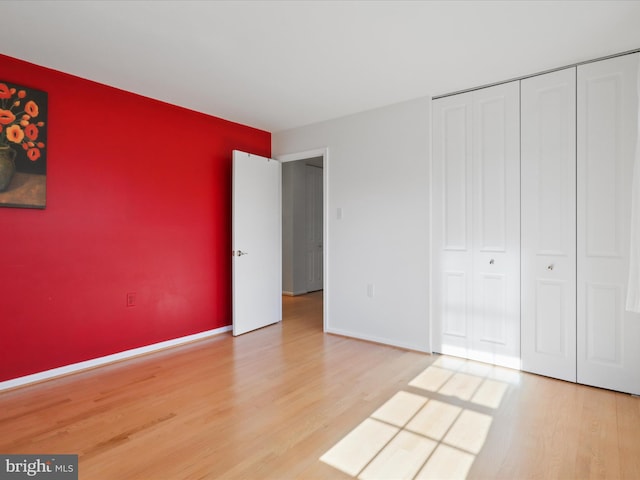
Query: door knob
[(492, 261), (240, 253), (550, 267)]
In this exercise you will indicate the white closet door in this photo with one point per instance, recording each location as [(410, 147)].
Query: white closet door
[(476, 225), (496, 225), (608, 336), (548, 166), (451, 222)]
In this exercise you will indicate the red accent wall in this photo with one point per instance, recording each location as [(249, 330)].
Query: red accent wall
[(138, 200)]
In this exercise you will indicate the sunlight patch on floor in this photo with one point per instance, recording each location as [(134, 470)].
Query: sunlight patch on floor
[(399, 409), (414, 436), (401, 458), (434, 420), (446, 463), (355, 451), (490, 393), (432, 379), (469, 432), (461, 385)]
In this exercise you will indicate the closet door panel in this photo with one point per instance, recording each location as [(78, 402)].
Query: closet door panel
[(608, 336), (496, 225), (455, 320), (451, 220), (548, 163), (548, 330), (491, 155), (603, 338)]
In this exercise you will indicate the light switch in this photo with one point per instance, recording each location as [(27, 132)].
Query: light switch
[(370, 290)]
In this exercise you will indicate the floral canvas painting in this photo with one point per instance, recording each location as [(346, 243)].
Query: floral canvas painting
[(23, 146)]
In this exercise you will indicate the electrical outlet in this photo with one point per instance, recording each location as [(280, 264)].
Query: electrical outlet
[(131, 299)]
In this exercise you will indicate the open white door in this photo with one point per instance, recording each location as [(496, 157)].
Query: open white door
[(256, 242)]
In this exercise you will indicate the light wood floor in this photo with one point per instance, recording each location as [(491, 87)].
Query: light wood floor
[(270, 404)]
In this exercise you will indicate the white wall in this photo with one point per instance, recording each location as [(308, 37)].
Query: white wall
[(378, 174)]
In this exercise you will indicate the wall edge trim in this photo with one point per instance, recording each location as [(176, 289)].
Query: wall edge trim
[(107, 359), (381, 341), (294, 294)]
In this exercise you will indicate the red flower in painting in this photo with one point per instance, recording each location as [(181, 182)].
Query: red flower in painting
[(31, 131), (15, 134), (31, 108), (6, 117), (4, 91), (33, 154)]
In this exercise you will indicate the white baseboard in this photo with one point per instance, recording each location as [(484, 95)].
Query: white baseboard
[(381, 341), (293, 294), (97, 362)]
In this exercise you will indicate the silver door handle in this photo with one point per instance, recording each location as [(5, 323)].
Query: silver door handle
[(240, 253), (492, 261), (550, 267)]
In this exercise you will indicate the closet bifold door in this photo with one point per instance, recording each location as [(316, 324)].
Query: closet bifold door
[(608, 344), (496, 225), (548, 224), (476, 225), (451, 224)]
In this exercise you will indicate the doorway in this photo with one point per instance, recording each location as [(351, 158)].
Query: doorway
[(304, 247)]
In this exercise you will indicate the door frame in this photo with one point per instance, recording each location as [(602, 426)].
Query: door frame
[(324, 153)]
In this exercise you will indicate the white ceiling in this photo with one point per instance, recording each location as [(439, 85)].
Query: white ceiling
[(277, 65)]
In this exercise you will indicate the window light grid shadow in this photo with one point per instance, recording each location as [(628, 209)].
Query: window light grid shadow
[(435, 433)]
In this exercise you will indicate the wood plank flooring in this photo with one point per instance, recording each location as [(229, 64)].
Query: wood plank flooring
[(270, 404)]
